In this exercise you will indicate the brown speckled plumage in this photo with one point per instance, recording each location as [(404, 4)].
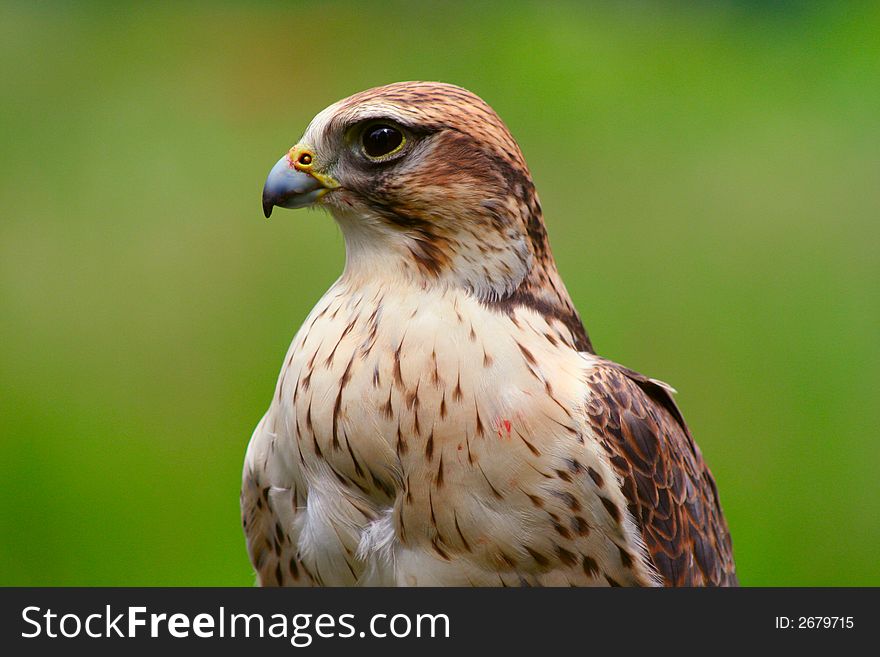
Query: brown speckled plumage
[(441, 417)]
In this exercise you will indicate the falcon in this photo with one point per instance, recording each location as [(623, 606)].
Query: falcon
[(441, 417)]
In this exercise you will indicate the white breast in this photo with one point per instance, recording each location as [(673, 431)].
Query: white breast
[(420, 427)]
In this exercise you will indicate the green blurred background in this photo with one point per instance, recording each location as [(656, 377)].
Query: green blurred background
[(710, 174)]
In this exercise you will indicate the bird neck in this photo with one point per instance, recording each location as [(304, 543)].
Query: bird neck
[(489, 264), (501, 268)]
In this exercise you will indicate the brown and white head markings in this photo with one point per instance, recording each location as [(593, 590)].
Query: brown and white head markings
[(452, 204), (440, 417)]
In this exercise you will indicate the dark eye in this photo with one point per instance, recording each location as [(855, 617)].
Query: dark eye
[(381, 140)]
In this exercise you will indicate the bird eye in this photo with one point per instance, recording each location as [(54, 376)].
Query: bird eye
[(380, 140)]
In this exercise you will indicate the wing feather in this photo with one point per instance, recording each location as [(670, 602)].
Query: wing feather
[(669, 489)]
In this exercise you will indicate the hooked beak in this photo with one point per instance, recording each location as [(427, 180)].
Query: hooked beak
[(292, 183)]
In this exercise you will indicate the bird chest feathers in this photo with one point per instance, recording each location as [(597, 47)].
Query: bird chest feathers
[(419, 425)]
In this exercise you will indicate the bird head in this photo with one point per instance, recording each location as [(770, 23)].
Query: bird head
[(426, 182)]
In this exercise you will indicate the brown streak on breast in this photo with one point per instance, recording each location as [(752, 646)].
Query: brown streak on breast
[(494, 490), (387, 409), (337, 406), (398, 375), (464, 541), (530, 359), (429, 447), (401, 447), (479, 420), (456, 393), (534, 450), (438, 479), (436, 381)]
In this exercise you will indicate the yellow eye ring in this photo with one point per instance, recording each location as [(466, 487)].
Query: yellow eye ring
[(301, 157)]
